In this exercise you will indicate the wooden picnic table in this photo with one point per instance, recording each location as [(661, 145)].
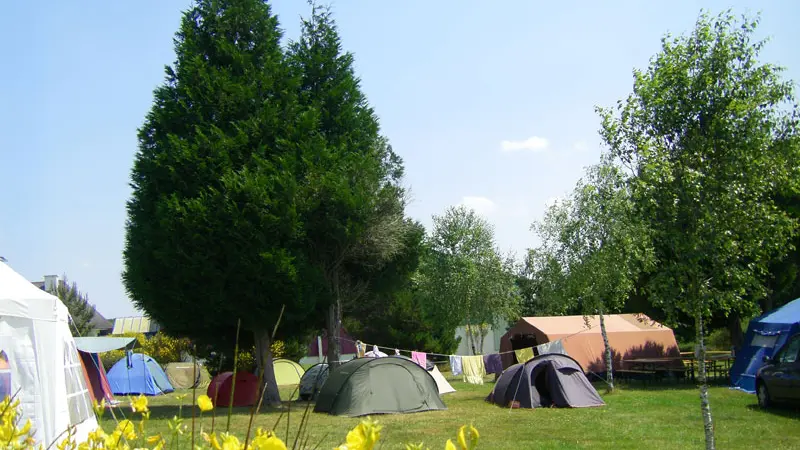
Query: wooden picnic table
[(717, 363)]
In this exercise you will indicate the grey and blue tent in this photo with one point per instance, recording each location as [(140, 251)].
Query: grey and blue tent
[(138, 373), (551, 379), (765, 334)]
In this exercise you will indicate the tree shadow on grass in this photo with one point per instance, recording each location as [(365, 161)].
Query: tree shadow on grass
[(169, 411), (783, 410)]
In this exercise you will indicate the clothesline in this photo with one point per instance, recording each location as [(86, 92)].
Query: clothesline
[(449, 355)]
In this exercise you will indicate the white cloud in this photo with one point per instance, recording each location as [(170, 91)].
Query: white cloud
[(580, 146), (533, 144), (480, 205)]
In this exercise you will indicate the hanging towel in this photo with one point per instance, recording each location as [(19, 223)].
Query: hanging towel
[(474, 370), (551, 347), (524, 355), (375, 353), (396, 352), (420, 358), (360, 349), (455, 365), (493, 364)]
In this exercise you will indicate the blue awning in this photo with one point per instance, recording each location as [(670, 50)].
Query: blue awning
[(103, 344)]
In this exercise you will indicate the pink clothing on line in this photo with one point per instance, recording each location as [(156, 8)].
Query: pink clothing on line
[(420, 358)]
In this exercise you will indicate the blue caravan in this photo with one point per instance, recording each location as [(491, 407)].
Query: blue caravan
[(765, 335), (138, 374)]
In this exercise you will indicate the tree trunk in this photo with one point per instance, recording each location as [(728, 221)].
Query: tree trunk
[(471, 336), (609, 359), (482, 338), (766, 304), (735, 329), (334, 354), (266, 371), (705, 406)]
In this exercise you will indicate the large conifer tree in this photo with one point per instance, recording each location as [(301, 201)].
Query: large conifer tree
[(353, 204), (212, 220)]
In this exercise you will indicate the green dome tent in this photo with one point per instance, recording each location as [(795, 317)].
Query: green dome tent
[(387, 385), (185, 375), (287, 372)]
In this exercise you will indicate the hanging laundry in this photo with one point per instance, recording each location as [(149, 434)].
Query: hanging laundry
[(551, 347), (375, 353), (396, 352), (420, 358), (455, 365), (493, 363), (524, 354), (473, 368), (360, 348)]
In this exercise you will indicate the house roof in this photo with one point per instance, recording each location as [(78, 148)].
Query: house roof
[(135, 324), (99, 322)]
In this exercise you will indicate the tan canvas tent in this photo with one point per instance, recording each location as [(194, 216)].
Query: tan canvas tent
[(180, 375), (630, 336)]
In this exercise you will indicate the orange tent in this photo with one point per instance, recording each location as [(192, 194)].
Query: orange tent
[(630, 336)]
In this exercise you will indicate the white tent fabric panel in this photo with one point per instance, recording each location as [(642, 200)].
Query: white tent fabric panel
[(43, 365), (441, 382)]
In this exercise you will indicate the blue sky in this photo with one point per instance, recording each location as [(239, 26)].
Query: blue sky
[(491, 104)]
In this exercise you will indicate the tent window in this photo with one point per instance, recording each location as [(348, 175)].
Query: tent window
[(5, 376), (78, 399), (790, 351), (764, 341)]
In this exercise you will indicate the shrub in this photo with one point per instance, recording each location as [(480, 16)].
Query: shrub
[(162, 347)]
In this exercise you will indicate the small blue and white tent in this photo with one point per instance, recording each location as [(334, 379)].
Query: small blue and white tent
[(765, 335), (138, 374)]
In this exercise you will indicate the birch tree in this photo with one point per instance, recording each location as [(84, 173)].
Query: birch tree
[(464, 278), (601, 246), (711, 135)]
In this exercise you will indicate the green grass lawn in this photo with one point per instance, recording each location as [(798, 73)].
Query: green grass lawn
[(635, 417)]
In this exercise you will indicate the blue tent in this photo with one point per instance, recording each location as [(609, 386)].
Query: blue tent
[(138, 374), (765, 335)]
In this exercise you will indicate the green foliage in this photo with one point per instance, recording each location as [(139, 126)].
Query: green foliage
[(541, 283), (213, 231), (77, 302), (391, 312), (162, 347), (463, 278), (711, 135), (352, 205), (594, 248)]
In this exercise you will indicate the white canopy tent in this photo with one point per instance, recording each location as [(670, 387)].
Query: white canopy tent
[(40, 362)]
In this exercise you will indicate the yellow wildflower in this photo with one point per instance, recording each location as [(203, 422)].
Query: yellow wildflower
[(267, 440), (468, 441), (419, 446), (449, 445), (230, 442), (126, 429), (99, 408), (362, 437), (205, 404), (212, 440), (139, 404)]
